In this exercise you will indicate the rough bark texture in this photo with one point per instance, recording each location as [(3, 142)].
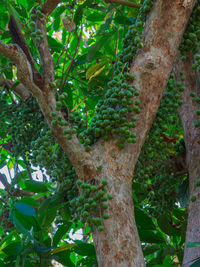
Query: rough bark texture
[(20, 90), (49, 6), (151, 69), (192, 142), (119, 244)]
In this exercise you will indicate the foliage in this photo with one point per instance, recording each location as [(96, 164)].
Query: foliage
[(92, 59)]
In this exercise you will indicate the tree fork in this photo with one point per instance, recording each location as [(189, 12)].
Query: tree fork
[(192, 142), (163, 34)]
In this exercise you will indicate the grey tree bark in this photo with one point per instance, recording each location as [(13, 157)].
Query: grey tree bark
[(119, 244), (192, 142)]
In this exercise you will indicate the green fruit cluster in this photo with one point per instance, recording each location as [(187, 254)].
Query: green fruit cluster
[(154, 170), (62, 118), (91, 204), (197, 100), (191, 43), (22, 122), (120, 100), (36, 34), (191, 36)]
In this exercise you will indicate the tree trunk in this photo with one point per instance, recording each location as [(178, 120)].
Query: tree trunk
[(119, 244), (192, 142)]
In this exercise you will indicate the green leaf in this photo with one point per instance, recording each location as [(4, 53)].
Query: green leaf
[(147, 250), (49, 218), (183, 194), (180, 213), (84, 249), (57, 16), (4, 18), (143, 220), (122, 20), (196, 263), (25, 209), (18, 224), (78, 15), (11, 248), (165, 226), (94, 48), (10, 164), (148, 236), (35, 186), (13, 11), (30, 3), (54, 45), (24, 3), (56, 23), (17, 261), (94, 69), (46, 214), (43, 250), (64, 258), (79, 12), (95, 16), (69, 99), (59, 10), (138, 188), (8, 238), (44, 207), (62, 248), (30, 201), (65, 213), (62, 230), (23, 222)]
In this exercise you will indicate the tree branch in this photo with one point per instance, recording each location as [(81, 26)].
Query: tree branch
[(19, 39), (162, 36), (20, 90), (15, 192), (71, 63), (49, 7), (124, 3), (4, 181), (47, 102), (45, 53), (24, 71), (191, 133)]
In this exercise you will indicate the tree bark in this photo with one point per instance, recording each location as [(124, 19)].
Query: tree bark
[(119, 244), (192, 142), (152, 67)]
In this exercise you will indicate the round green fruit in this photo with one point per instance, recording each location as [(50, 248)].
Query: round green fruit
[(197, 183), (104, 182), (106, 216), (79, 182), (100, 228), (104, 206), (193, 198)]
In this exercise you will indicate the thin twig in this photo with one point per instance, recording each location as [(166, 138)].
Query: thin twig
[(79, 104), (9, 173), (28, 170), (117, 45), (124, 3), (64, 49), (4, 181), (72, 61)]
